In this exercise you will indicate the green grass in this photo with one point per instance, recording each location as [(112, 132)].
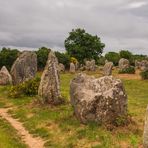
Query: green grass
[(9, 137), (59, 127)]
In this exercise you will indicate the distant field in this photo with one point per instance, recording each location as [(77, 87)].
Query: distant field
[(60, 129)]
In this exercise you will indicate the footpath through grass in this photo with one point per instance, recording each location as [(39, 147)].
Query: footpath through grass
[(58, 126)]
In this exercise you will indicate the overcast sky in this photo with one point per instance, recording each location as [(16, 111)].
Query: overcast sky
[(30, 24)]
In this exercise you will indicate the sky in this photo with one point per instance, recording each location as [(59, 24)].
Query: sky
[(30, 24)]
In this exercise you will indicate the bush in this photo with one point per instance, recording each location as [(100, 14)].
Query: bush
[(113, 57), (130, 70), (127, 55), (42, 56), (63, 58), (28, 88), (101, 61), (73, 60), (8, 56), (144, 74)]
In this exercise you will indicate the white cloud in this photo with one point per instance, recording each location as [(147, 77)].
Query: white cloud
[(136, 5)]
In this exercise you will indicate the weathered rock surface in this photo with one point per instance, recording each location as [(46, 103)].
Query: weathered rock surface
[(24, 68), (123, 64), (90, 65), (100, 100), (49, 88), (107, 70), (145, 135), (5, 77), (61, 67), (137, 64), (72, 68), (144, 65)]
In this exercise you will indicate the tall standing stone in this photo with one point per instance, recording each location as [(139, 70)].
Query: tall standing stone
[(49, 88), (107, 70), (24, 68), (100, 100), (72, 68), (145, 135), (5, 77)]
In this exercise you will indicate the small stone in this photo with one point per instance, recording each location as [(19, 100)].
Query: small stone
[(72, 68), (123, 64), (107, 70), (5, 77)]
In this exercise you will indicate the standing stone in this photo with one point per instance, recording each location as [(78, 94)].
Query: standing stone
[(49, 88), (145, 135), (137, 64), (61, 67), (72, 68), (100, 100), (123, 64), (107, 70), (90, 65), (5, 77), (144, 65), (24, 68)]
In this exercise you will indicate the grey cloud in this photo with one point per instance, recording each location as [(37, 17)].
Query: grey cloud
[(37, 23)]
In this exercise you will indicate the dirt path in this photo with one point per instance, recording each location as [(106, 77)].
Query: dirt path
[(32, 142)]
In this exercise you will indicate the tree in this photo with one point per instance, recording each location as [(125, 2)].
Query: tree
[(63, 58), (82, 45), (127, 55), (112, 57), (8, 56), (42, 56)]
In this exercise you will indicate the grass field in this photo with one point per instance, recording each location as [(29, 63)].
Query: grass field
[(60, 129)]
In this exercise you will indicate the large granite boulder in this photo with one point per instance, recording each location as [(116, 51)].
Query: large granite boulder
[(90, 65), (123, 64), (61, 67), (107, 70), (24, 68), (5, 77), (49, 88), (102, 100), (72, 68), (145, 135)]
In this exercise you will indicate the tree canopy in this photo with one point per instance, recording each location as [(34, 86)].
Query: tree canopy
[(82, 45), (8, 56), (42, 56)]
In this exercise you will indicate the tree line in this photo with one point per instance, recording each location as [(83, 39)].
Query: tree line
[(80, 46)]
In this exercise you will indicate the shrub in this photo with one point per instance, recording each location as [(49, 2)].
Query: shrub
[(42, 56), (28, 88), (63, 58), (130, 70), (144, 74), (127, 55), (73, 60), (8, 56), (113, 57)]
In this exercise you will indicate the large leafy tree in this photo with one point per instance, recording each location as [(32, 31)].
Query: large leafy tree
[(82, 45)]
